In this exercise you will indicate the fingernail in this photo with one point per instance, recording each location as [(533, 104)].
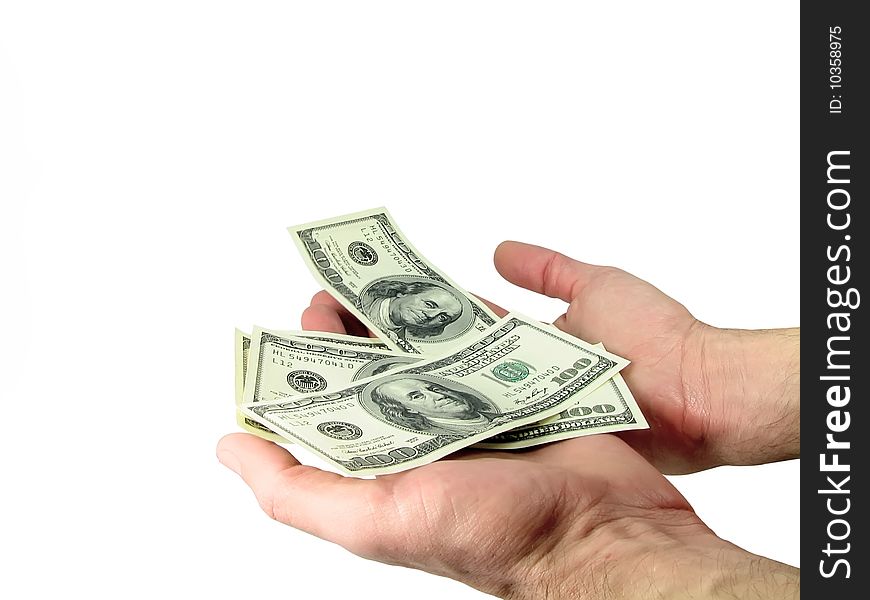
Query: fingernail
[(230, 461)]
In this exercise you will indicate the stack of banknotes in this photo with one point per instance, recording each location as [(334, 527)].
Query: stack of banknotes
[(443, 373)]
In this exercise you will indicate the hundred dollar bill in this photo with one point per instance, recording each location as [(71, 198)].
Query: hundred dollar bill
[(515, 373), (285, 364), (609, 408), (242, 350), (371, 267)]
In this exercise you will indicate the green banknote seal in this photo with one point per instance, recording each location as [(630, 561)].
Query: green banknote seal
[(511, 371)]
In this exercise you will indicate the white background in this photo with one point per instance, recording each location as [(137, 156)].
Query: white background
[(152, 153)]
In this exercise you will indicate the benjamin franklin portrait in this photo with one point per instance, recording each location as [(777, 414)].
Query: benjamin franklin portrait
[(430, 406), (413, 308)]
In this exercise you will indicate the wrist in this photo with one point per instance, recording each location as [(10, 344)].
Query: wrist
[(746, 383), (662, 554)]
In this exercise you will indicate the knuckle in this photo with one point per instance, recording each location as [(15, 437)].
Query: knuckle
[(553, 271), (267, 503)]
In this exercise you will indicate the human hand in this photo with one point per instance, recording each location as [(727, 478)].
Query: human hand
[(712, 396), (584, 517), (587, 518)]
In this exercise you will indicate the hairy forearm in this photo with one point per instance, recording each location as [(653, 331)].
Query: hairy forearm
[(718, 570), (751, 380)]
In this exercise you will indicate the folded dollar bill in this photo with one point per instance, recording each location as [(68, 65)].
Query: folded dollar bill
[(371, 267), (516, 373)]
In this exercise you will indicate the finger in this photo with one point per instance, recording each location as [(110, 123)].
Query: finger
[(493, 307), (351, 324), (237, 451), (322, 318), (543, 271), (324, 504), (324, 297), (476, 453)]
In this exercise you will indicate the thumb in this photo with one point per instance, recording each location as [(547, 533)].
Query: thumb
[(542, 270), (332, 507)]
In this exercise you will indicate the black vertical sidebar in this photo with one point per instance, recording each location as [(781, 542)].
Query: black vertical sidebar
[(835, 225)]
